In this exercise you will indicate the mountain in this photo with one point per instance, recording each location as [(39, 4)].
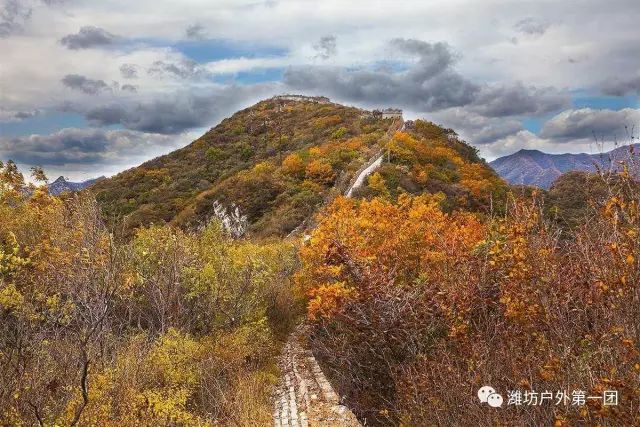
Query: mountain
[(535, 168), (61, 185), (281, 159)]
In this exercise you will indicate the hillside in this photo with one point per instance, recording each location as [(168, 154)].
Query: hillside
[(402, 287), (533, 167), (426, 158), (279, 160), (234, 163)]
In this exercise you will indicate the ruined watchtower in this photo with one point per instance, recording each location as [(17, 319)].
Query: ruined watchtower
[(392, 113)]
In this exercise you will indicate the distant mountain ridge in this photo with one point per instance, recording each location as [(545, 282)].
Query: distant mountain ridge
[(61, 185), (536, 168)]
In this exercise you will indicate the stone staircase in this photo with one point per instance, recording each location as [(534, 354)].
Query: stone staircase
[(305, 398)]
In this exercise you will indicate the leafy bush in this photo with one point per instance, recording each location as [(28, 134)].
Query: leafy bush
[(415, 309), (428, 160), (168, 328)]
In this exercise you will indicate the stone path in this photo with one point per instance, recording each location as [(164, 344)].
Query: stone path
[(305, 398), (371, 167)]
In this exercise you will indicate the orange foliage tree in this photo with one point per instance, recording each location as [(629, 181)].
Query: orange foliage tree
[(415, 309), (293, 165), (320, 172)]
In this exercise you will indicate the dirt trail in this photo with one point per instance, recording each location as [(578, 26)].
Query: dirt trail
[(305, 398)]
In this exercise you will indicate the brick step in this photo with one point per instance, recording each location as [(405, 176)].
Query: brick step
[(304, 396)]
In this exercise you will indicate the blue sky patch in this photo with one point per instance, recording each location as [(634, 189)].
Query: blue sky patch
[(215, 50), (43, 124), (532, 124), (581, 100)]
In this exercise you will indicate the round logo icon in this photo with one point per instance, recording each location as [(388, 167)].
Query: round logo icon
[(484, 393)]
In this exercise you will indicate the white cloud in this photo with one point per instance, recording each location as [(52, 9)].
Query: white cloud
[(236, 65), (560, 45)]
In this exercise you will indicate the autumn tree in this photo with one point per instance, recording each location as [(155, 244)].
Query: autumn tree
[(405, 297), (293, 165), (167, 328), (320, 172)]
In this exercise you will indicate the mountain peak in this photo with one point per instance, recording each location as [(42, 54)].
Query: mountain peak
[(276, 161), (528, 151), (537, 168), (61, 185)]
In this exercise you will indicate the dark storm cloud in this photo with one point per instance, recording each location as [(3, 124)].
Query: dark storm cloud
[(129, 88), (517, 99), (89, 37), (176, 112), (84, 84), (196, 32), (475, 127), (587, 122), (165, 116), (531, 26), (22, 115), (326, 47), (8, 115), (433, 58), (622, 86), (106, 115), (429, 84), (495, 131), (184, 69), (78, 146), (66, 146)]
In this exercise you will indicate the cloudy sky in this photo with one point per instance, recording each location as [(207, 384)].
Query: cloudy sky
[(93, 87)]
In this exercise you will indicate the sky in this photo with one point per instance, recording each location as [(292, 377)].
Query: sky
[(90, 88)]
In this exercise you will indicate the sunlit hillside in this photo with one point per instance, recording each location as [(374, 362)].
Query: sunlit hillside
[(280, 160)]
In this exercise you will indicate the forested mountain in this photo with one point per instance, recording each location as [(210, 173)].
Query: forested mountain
[(242, 161), (533, 167), (279, 160)]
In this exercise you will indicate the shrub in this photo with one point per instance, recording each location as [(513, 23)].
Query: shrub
[(415, 310), (320, 172), (168, 328)]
